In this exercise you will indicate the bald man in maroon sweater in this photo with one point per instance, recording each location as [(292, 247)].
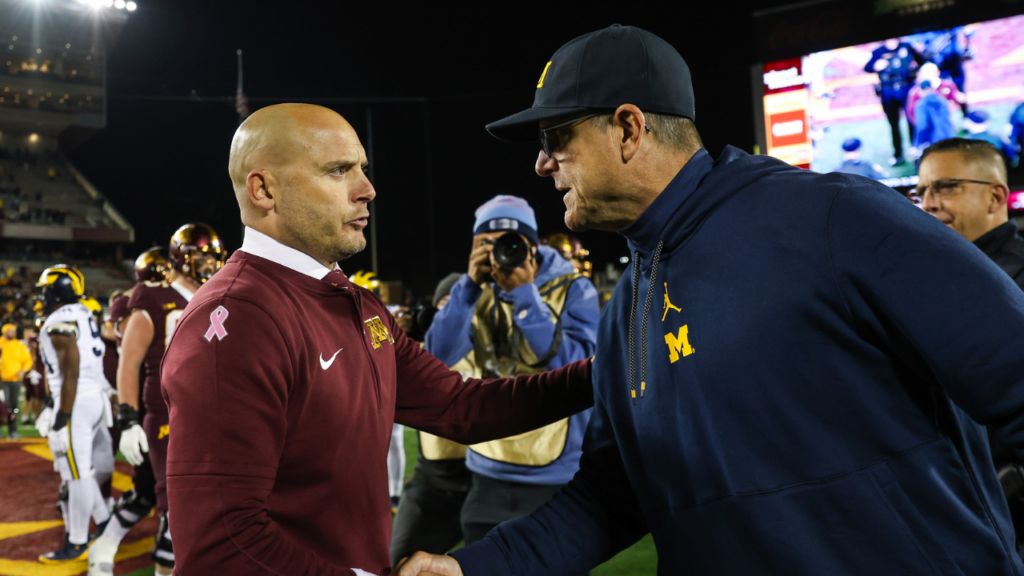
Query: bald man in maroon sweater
[(283, 378)]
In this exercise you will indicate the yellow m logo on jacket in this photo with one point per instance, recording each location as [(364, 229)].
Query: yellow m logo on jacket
[(678, 344), (378, 332)]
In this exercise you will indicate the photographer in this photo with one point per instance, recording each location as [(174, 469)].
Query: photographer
[(519, 310)]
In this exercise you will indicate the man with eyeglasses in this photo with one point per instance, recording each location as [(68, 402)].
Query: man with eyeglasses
[(963, 184), (790, 374)]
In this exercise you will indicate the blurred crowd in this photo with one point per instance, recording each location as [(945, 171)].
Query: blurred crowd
[(16, 291)]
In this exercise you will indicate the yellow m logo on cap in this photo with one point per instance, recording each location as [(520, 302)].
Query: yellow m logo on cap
[(540, 83)]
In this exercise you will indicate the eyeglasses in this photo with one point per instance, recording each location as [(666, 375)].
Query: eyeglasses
[(944, 188), (549, 140)]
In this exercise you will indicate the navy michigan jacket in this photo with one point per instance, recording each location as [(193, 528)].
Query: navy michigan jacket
[(821, 356)]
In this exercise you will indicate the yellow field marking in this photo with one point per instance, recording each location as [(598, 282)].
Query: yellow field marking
[(12, 529), (122, 482), (29, 568), (41, 450)]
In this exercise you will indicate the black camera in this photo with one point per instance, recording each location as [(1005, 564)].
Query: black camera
[(422, 317), (510, 250)]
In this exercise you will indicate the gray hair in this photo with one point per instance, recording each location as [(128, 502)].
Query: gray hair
[(676, 132), (972, 150)]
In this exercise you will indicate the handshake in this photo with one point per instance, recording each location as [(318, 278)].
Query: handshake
[(428, 564)]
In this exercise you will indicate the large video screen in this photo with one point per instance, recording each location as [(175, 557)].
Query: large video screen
[(872, 109)]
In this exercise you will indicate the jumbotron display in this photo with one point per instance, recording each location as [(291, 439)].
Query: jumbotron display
[(872, 109)]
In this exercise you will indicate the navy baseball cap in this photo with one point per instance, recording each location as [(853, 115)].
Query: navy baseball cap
[(851, 145), (604, 70)]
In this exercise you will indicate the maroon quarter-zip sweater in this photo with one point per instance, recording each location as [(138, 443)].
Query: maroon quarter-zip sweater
[(282, 391)]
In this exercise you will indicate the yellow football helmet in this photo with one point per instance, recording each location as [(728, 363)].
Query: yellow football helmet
[(367, 280), (60, 284)]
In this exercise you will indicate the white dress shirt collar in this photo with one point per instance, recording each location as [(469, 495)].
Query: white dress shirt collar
[(259, 244)]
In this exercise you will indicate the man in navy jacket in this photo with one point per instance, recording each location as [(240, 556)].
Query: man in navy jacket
[(792, 375)]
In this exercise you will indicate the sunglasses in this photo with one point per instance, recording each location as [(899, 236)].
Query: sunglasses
[(549, 139)]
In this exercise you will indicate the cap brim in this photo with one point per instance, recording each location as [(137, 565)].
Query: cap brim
[(522, 127)]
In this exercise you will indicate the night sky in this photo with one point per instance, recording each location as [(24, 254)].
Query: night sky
[(162, 160)]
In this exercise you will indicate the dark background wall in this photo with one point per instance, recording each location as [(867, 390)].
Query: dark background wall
[(163, 157)]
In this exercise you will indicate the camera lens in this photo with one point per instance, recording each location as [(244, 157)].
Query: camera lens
[(510, 250)]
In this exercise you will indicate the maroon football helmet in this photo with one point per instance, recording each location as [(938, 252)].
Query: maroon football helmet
[(152, 265), (572, 250), (194, 241)]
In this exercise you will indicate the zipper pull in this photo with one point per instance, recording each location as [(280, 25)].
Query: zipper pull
[(643, 386)]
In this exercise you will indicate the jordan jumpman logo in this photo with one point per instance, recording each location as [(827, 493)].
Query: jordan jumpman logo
[(668, 304)]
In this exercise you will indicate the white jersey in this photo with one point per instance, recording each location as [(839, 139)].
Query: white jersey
[(78, 320)]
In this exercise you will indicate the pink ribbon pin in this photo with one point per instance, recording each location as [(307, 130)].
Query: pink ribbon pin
[(217, 318)]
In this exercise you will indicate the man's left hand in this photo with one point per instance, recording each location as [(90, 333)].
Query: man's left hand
[(423, 563), (509, 280), (44, 422)]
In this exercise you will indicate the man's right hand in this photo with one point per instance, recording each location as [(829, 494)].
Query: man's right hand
[(59, 441), (480, 261), (133, 444), (423, 563)]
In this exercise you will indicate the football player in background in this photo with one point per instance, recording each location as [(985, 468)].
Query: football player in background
[(196, 254), (72, 352), (151, 267)]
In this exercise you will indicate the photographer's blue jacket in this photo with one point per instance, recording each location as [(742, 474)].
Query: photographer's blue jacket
[(819, 354), (449, 339)]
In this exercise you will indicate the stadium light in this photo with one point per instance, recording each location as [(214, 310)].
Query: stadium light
[(119, 4), (131, 6), (33, 137), (108, 3)]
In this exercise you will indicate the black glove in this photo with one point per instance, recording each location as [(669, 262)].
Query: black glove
[(61, 420), (127, 417)]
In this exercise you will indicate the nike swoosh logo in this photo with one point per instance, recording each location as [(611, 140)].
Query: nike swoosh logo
[(326, 365)]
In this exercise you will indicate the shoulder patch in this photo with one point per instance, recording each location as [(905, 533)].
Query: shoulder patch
[(63, 329), (217, 318)]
